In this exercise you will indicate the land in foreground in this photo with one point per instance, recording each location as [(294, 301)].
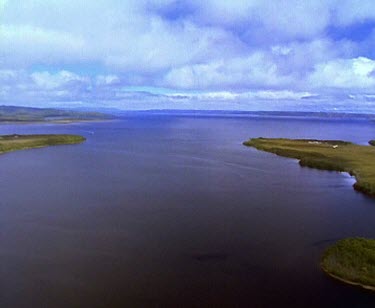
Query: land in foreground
[(16, 142), (333, 155), (352, 260)]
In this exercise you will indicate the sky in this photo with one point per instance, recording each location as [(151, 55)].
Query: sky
[(290, 55)]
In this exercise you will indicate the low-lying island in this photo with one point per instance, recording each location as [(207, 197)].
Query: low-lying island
[(9, 143)]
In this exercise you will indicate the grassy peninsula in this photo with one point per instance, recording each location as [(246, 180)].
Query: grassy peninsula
[(333, 155), (352, 260), (9, 143)]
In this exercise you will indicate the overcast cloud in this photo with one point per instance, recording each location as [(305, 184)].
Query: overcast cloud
[(213, 54)]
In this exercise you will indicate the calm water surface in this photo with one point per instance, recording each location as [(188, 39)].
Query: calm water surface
[(172, 211)]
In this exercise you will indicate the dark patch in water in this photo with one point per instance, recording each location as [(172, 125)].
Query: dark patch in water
[(207, 257), (337, 186)]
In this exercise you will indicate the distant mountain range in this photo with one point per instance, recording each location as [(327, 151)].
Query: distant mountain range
[(28, 114)]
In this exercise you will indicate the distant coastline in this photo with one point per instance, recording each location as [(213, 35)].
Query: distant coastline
[(62, 121), (20, 115), (244, 113)]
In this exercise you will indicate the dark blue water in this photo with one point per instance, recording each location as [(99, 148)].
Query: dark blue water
[(168, 211)]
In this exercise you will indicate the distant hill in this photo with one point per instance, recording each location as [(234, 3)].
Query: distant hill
[(239, 113), (28, 114)]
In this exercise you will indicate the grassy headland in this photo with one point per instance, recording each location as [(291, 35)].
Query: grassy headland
[(10, 143), (351, 260), (333, 155)]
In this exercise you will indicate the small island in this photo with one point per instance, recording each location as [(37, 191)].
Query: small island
[(9, 143), (332, 155), (352, 261)]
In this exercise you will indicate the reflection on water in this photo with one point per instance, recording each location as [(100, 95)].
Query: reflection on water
[(168, 211)]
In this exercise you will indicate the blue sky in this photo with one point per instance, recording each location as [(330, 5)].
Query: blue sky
[(213, 54)]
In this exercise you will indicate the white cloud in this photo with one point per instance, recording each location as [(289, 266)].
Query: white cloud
[(351, 11), (47, 81), (275, 19), (278, 95), (250, 95), (107, 80), (7, 75), (357, 73), (2, 5), (297, 19), (25, 44), (163, 46), (256, 70)]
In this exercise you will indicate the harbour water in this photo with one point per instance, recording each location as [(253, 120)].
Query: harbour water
[(173, 211)]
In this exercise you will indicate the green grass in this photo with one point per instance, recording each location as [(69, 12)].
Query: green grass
[(10, 143), (333, 155), (351, 260)]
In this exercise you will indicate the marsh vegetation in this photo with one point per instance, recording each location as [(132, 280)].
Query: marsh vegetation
[(333, 155), (16, 142)]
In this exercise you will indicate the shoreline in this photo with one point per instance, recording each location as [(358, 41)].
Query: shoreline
[(352, 283), (327, 155)]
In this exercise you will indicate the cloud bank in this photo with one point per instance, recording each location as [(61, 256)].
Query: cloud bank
[(247, 55)]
